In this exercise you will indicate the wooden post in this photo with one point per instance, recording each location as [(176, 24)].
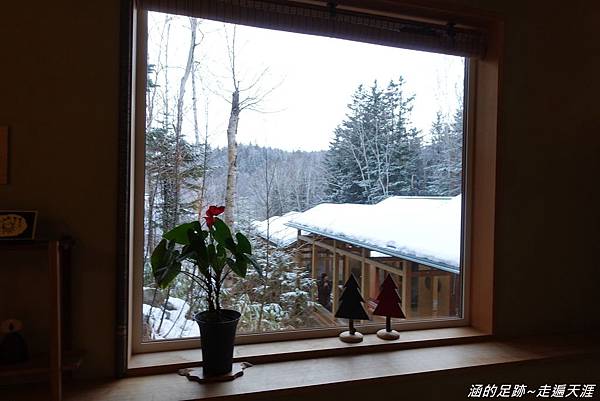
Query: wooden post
[(435, 296), (407, 288), (335, 278), (313, 262), (453, 293), (65, 272), (313, 267), (54, 279), (425, 295), (371, 273), (297, 250), (444, 295), (364, 276), (346, 268)]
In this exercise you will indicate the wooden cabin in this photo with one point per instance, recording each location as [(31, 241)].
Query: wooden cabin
[(329, 241)]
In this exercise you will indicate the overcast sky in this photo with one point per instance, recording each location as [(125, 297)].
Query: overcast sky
[(312, 80)]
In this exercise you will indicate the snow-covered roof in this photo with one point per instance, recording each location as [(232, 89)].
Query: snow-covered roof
[(422, 229), (278, 232)]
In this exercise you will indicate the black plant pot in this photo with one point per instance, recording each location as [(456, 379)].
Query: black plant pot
[(217, 333)]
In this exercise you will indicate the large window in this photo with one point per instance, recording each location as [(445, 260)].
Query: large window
[(337, 157)]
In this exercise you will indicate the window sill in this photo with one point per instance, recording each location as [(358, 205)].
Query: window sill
[(170, 361), (296, 377)]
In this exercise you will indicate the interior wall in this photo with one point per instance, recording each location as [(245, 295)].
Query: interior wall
[(59, 95), (547, 218)]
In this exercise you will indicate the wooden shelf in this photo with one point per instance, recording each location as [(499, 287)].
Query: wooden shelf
[(21, 244), (338, 377), (39, 365), (48, 367)]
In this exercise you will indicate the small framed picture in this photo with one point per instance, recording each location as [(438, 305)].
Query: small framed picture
[(17, 224)]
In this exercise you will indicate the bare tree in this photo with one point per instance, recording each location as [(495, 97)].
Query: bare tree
[(180, 111), (242, 98), (154, 70), (205, 146)]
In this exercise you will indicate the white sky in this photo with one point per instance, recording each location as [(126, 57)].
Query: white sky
[(314, 78)]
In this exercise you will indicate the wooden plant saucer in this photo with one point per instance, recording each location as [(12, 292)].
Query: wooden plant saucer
[(197, 374)]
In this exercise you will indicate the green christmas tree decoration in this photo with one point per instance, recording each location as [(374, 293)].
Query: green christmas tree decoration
[(388, 305), (351, 308)]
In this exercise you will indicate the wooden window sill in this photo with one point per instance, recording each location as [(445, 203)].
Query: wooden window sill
[(292, 377), (170, 361)]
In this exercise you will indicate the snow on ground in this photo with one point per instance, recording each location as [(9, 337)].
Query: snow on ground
[(291, 295), (174, 324), (278, 232), (426, 229)]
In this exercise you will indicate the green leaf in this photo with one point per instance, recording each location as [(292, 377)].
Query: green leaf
[(250, 259), (230, 244), (197, 250), (220, 258), (189, 253), (169, 275), (212, 254), (165, 262), (220, 251), (195, 240), (158, 255), (243, 244), (240, 267), (220, 231), (180, 233)]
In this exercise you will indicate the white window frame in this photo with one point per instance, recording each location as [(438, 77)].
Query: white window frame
[(137, 219)]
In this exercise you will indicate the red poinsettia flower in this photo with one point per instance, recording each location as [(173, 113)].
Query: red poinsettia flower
[(209, 220), (215, 210), (211, 213)]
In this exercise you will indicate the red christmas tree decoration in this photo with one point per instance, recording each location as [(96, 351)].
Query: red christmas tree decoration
[(351, 308), (388, 305)]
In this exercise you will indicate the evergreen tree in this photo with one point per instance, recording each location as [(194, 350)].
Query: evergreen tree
[(405, 147), (285, 303), (434, 158), (161, 174), (443, 168), (375, 153), (456, 152), (346, 173)]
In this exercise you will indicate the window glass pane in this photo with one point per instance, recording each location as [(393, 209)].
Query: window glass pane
[(342, 158)]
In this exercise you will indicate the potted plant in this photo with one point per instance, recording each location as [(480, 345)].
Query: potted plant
[(216, 253)]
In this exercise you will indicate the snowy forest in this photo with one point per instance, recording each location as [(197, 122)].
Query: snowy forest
[(375, 152)]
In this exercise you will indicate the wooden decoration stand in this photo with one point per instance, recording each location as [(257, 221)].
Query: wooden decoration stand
[(197, 374), (388, 335), (348, 337)]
